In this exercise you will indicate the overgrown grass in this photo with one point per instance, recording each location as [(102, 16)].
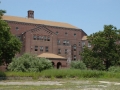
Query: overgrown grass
[(64, 73)]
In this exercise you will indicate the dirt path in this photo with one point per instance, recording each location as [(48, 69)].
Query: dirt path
[(36, 83)]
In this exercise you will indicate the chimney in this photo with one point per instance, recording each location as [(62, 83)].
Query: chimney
[(30, 14)]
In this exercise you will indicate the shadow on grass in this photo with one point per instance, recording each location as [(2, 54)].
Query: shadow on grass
[(2, 76)]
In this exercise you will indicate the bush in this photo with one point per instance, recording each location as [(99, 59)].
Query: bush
[(78, 65), (29, 63), (114, 69)]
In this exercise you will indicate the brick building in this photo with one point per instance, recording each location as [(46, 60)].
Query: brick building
[(41, 36)]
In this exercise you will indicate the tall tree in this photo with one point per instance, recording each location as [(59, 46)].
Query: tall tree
[(105, 50), (9, 44)]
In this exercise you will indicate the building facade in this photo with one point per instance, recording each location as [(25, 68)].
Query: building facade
[(41, 36)]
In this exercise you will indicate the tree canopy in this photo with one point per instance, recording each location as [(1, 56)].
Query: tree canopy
[(105, 50), (9, 44)]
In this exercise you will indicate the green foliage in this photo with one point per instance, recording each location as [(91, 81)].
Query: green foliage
[(114, 69), (78, 65), (66, 73), (9, 44), (29, 63), (105, 50)]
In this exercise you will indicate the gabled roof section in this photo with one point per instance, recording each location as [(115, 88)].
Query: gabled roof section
[(50, 55), (84, 38), (36, 21)]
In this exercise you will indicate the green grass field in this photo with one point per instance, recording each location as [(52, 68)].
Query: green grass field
[(67, 79)]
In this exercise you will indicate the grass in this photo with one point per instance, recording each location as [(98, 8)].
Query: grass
[(64, 73)]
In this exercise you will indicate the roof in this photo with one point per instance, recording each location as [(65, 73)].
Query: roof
[(36, 21), (50, 55), (84, 38)]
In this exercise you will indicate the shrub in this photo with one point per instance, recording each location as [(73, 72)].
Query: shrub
[(114, 69), (29, 63), (78, 65)]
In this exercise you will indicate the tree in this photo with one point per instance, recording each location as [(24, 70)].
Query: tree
[(9, 44), (29, 63), (78, 65), (105, 50)]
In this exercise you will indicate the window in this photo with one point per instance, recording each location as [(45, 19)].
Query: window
[(17, 28), (74, 58), (89, 45), (58, 42), (57, 32), (36, 48), (74, 34), (74, 47), (19, 37), (41, 48), (67, 42), (79, 44), (37, 37), (83, 44), (34, 37), (66, 51), (46, 48), (48, 38), (64, 42), (66, 33), (45, 38), (59, 51)]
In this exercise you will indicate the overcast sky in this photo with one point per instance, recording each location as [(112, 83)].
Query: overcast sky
[(89, 15)]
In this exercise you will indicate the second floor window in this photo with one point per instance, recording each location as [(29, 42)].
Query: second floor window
[(66, 51), (74, 57), (34, 37), (58, 42), (74, 47), (59, 51), (83, 44), (48, 38), (36, 48), (41, 48), (89, 45), (46, 49)]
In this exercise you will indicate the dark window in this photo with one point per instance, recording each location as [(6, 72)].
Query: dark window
[(64, 42), (17, 28), (46, 49), (41, 48), (48, 38), (59, 51), (36, 48), (34, 37), (74, 47), (66, 33), (37, 37), (57, 32), (74, 34), (74, 57), (79, 44), (65, 51)]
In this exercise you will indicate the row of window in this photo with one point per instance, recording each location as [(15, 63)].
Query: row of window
[(45, 38), (65, 33), (41, 48), (83, 44), (59, 51), (65, 42)]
